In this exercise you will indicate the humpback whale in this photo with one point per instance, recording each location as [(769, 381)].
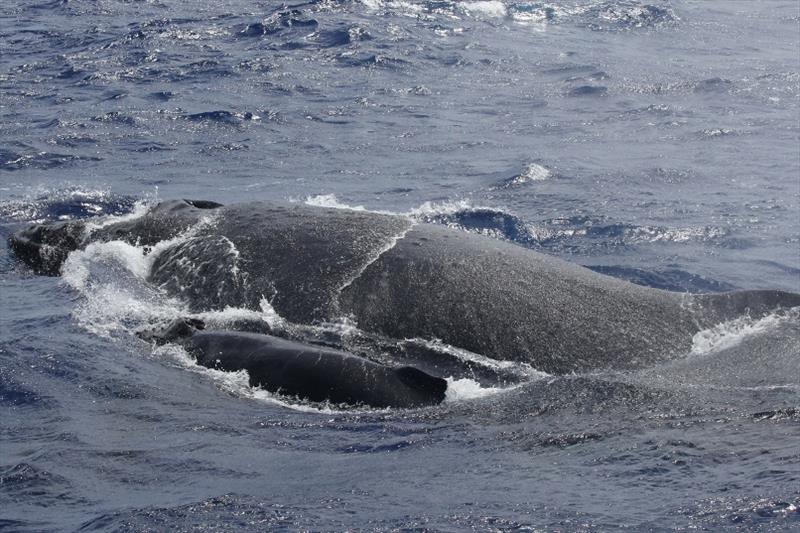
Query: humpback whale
[(404, 280), (308, 372)]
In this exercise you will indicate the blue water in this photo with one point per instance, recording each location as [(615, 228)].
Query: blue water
[(658, 142)]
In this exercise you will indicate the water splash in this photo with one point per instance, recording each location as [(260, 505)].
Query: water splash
[(733, 332)]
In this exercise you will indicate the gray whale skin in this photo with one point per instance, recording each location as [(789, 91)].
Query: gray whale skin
[(401, 279)]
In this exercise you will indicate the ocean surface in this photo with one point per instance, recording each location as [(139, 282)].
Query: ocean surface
[(656, 141)]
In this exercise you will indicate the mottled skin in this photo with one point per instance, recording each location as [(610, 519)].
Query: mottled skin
[(403, 280)]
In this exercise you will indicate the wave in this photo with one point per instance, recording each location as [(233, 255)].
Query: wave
[(70, 203), (627, 15), (533, 172), (599, 16), (222, 117), (554, 233), (43, 160)]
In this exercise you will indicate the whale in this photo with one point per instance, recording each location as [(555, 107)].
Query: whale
[(312, 373), (400, 279)]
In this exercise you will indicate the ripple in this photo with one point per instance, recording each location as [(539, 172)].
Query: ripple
[(561, 234), (222, 117), (11, 161), (627, 15), (340, 37), (371, 61), (15, 394), (713, 85), (36, 486), (279, 23), (588, 90), (115, 117)]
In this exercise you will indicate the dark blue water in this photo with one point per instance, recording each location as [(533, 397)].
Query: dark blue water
[(658, 142)]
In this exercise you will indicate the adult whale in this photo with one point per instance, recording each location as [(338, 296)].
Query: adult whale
[(404, 280), (309, 372)]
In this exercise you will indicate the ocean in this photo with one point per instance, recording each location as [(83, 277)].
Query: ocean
[(653, 141)]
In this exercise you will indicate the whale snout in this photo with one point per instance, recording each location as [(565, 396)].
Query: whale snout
[(44, 247)]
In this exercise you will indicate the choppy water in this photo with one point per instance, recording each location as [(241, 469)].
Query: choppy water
[(658, 142)]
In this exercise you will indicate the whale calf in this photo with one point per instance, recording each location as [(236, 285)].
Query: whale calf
[(404, 280), (308, 372)]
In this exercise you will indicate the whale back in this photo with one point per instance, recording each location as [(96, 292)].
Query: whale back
[(314, 373), (507, 302), (295, 256)]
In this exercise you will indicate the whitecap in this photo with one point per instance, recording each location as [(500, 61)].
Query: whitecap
[(330, 200), (489, 8), (468, 389)]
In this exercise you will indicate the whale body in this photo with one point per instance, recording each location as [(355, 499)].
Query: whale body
[(308, 372), (405, 280)]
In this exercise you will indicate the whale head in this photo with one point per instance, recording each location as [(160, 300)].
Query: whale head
[(45, 247)]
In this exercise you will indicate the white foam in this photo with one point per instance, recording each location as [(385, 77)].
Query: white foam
[(136, 259), (733, 332), (425, 212), (114, 309), (344, 327), (468, 389), (76, 268), (489, 8), (112, 280), (330, 200), (229, 315), (657, 234), (140, 208), (268, 313), (532, 172), (520, 369), (534, 19), (433, 209), (374, 5)]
